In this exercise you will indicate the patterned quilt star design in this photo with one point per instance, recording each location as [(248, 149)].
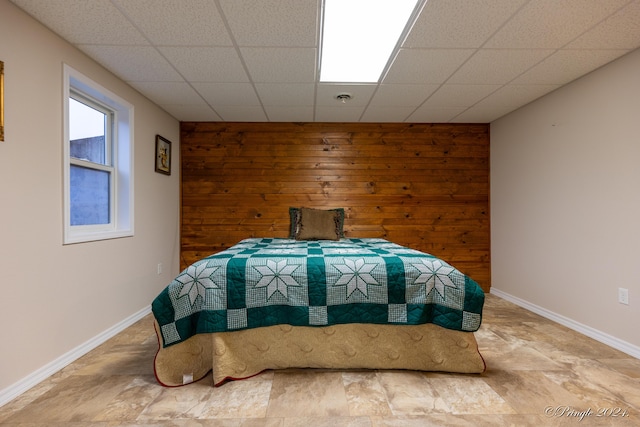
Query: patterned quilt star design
[(195, 280), (356, 276), (434, 274), (267, 281), (276, 277)]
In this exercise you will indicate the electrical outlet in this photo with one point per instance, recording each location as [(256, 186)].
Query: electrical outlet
[(159, 268), (623, 296)]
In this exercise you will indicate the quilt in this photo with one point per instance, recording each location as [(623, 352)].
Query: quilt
[(269, 281)]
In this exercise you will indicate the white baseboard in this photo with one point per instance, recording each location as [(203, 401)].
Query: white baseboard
[(31, 380), (597, 335)]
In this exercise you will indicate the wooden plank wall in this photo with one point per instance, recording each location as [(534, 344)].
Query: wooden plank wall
[(425, 186)]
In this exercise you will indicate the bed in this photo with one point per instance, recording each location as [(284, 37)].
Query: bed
[(316, 300)]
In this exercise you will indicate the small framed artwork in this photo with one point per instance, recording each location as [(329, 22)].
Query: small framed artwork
[(163, 155)]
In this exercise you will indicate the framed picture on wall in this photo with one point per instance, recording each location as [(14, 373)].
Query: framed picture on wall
[(163, 155)]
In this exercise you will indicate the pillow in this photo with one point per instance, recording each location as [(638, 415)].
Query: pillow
[(313, 224)]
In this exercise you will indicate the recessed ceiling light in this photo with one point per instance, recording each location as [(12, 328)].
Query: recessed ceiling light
[(359, 36)]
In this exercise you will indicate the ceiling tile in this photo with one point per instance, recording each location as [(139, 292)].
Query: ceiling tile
[(426, 66), (284, 23), (191, 113), (169, 92), (481, 114), (339, 114), (250, 60), (276, 94), (459, 23), (281, 65), (289, 114), (360, 94), (133, 63), (567, 65), (551, 24), (514, 96), (400, 95), (177, 23), (206, 64), (452, 95), (85, 22), (247, 113), (620, 31), (387, 114), (231, 94), (498, 66), (434, 115)]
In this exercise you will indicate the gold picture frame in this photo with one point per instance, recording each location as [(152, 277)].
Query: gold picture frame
[(163, 155), (1, 101)]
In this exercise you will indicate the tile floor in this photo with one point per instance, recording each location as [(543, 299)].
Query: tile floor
[(538, 373)]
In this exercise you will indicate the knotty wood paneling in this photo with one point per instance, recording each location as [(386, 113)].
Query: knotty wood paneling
[(425, 186)]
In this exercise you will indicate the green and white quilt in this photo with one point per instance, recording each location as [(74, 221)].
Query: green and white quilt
[(264, 282)]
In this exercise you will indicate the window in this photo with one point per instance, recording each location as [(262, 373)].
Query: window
[(98, 157)]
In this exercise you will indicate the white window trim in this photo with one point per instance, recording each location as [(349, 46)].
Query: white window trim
[(121, 220)]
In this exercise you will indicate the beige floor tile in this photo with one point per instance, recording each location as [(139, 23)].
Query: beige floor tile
[(328, 422), (410, 393), (365, 394), (591, 393), (237, 399), (621, 387), (308, 394), (536, 369), (178, 402), (129, 404), (530, 392), (518, 358), (627, 366), (80, 398), (461, 421), (575, 343), (469, 395), (120, 361)]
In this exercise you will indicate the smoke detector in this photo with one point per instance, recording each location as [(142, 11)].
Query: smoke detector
[(343, 97)]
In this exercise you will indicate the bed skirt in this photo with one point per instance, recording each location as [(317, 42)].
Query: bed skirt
[(243, 354)]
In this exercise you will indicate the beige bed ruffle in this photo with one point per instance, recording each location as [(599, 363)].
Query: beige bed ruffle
[(242, 354)]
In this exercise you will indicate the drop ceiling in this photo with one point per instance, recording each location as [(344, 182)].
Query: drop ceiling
[(469, 61)]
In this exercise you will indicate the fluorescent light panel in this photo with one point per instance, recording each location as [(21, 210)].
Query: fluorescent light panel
[(359, 36)]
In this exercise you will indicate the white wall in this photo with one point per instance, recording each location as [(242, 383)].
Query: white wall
[(565, 202), (55, 298)]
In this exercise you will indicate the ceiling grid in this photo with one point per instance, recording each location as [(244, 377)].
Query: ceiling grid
[(257, 61)]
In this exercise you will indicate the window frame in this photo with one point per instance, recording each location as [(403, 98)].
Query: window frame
[(120, 140)]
